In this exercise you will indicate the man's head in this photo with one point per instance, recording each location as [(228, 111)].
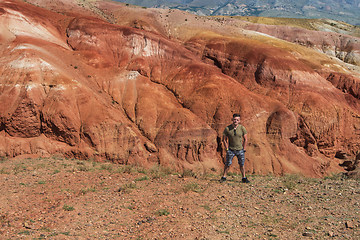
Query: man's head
[(236, 119)]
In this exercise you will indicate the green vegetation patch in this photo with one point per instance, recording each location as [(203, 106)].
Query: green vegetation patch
[(68, 207), (162, 212)]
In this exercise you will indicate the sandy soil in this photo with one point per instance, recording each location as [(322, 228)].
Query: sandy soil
[(56, 198)]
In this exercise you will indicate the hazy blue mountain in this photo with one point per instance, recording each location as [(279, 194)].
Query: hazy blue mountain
[(343, 10)]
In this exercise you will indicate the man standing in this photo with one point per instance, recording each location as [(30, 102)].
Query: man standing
[(235, 141)]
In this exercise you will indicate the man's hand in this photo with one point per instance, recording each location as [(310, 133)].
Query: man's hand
[(225, 141), (245, 142)]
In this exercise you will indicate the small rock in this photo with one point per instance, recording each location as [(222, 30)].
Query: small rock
[(28, 226), (331, 234), (307, 234), (349, 224)]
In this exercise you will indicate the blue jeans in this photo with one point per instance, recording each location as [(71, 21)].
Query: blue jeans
[(230, 154)]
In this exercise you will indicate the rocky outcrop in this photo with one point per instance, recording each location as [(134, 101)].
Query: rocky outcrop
[(346, 83), (82, 87), (321, 113), (52, 97)]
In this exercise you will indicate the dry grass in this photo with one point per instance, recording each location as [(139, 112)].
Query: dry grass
[(309, 24)]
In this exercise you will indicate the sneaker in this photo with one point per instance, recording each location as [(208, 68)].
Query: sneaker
[(245, 180), (223, 179)]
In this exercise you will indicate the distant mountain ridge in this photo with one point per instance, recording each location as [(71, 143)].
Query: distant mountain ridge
[(343, 10)]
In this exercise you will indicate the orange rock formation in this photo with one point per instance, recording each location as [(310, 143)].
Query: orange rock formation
[(93, 80)]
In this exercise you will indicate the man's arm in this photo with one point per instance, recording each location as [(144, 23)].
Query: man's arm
[(245, 141), (225, 141)]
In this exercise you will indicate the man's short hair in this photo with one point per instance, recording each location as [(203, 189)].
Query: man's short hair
[(236, 115)]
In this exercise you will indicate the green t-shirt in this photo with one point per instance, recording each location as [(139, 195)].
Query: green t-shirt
[(235, 140)]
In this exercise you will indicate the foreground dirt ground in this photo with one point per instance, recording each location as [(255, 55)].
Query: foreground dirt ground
[(56, 198)]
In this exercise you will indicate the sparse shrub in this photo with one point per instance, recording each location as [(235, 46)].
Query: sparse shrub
[(222, 231), (290, 181), (188, 173), (83, 191), (336, 176), (3, 159), (107, 167), (162, 212), (45, 229), (269, 177), (192, 186), (142, 178), (38, 166), (141, 170), (3, 171), (126, 188), (68, 207), (83, 168), (53, 235), (206, 207), (232, 174), (158, 171), (57, 157), (133, 169), (167, 170), (24, 233), (128, 169)]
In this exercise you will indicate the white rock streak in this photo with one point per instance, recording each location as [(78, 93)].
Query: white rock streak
[(20, 25), (146, 47)]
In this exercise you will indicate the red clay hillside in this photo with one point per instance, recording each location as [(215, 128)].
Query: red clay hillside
[(105, 81)]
